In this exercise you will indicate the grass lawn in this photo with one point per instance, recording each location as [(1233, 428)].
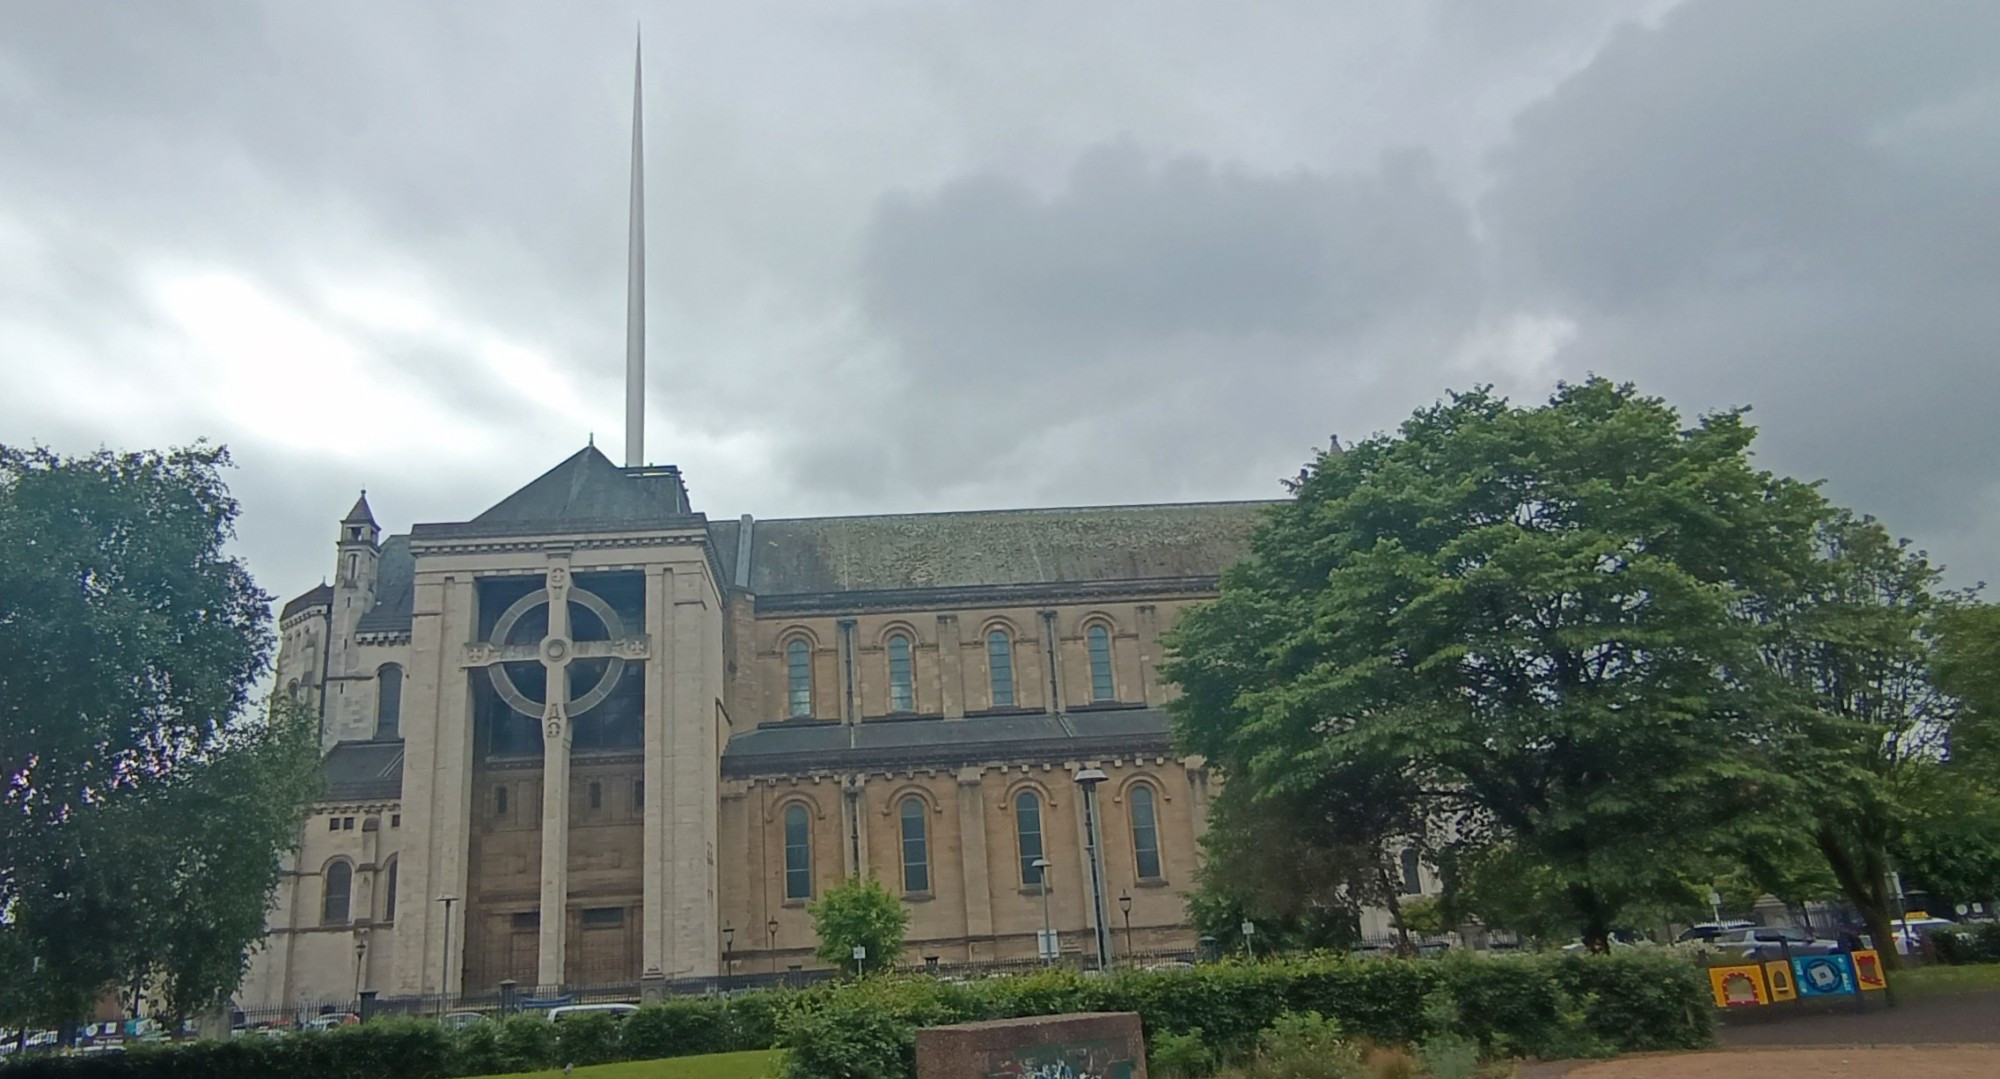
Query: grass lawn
[(1932, 981), (757, 1064)]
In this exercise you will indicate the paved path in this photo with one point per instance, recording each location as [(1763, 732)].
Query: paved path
[(1961, 1031)]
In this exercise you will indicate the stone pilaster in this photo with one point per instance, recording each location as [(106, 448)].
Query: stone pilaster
[(437, 809), (951, 666), (975, 878), (1149, 653), (653, 916), (695, 634)]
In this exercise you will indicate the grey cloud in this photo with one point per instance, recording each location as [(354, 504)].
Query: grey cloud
[(1153, 315), (1789, 205)]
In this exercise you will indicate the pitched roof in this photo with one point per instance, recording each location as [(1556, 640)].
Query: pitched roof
[(896, 552), (360, 771), (588, 486), (395, 574), (360, 514), (817, 747), (321, 596)]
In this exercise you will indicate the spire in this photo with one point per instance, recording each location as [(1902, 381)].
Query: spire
[(360, 514), (635, 288)]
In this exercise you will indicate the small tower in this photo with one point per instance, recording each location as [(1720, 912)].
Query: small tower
[(359, 551)]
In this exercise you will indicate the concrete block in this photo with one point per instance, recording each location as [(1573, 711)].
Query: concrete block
[(1087, 1045)]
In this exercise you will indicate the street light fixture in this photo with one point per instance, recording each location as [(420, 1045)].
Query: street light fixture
[(444, 953), (1088, 779), (1125, 908), (728, 951), (360, 951), (771, 942), (1045, 945)]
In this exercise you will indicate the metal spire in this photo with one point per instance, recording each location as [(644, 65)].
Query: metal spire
[(635, 289)]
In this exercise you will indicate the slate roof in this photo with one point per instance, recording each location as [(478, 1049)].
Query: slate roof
[(395, 574), (321, 596), (798, 748), (363, 771), (360, 514), (918, 551)]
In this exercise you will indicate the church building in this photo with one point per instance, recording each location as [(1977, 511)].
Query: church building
[(592, 737)]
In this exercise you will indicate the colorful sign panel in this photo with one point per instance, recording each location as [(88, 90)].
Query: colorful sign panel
[(1778, 975), (1868, 971), (1737, 987), (1823, 975)]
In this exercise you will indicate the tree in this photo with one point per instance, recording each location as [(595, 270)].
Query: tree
[(1864, 729), (1534, 614), (859, 912), (1951, 846), (144, 812)]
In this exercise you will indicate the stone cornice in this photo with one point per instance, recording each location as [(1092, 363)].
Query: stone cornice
[(948, 756)]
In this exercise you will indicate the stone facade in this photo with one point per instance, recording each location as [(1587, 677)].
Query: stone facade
[(753, 711)]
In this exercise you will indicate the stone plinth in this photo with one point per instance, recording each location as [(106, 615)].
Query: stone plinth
[(1087, 1045)]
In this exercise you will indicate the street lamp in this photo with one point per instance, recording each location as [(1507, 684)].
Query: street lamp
[(1125, 908), (728, 951), (1088, 779), (444, 953), (1045, 945), (771, 943), (360, 951), (1249, 930)]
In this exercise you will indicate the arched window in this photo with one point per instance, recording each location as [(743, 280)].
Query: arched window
[(388, 701), (916, 851), (798, 853), (1100, 665), (1145, 832), (389, 899), (1000, 662), (292, 690), (798, 678), (1028, 828), (339, 880), (1413, 883), (902, 687)]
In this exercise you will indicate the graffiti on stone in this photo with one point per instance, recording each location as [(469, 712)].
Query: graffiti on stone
[(1107, 1059)]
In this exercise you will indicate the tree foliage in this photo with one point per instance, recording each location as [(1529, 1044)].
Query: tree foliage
[(859, 911), (143, 815), (1533, 614)]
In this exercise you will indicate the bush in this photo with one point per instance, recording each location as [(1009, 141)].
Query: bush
[(1304, 1045), (1966, 944), (1179, 1056), (1449, 1056), (846, 1038)]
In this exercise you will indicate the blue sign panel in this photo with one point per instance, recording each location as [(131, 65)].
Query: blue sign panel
[(1823, 975)]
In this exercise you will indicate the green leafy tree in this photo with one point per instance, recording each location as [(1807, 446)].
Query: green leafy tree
[(1535, 614), (1862, 729), (1951, 847), (861, 912), (145, 813)]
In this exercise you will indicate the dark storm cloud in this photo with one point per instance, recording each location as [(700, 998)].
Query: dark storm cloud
[(922, 255), (1145, 305), (1788, 204)]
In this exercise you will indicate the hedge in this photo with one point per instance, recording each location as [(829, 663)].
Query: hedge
[(1546, 1006), (1966, 944)]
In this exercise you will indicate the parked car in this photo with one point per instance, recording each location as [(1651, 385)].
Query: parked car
[(1707, 931), (1773, 942), (1910, 931), (328, 1022), (461, 1020), (570, 1011)]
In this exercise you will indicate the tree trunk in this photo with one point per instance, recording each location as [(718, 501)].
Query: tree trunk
[(1596, 929), (1862, 880)]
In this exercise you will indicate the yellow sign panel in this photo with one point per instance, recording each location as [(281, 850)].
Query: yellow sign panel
[(1737, 987), (1868, 971), (1778, 975)]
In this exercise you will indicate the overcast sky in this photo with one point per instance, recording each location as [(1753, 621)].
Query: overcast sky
[(931, 255)]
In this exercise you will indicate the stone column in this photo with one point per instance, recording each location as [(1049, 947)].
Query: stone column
[(659, 686), (552, 953), (437, 793), (974, 878), (951, 662), (693, 752)]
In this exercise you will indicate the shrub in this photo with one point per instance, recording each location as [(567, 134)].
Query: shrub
[(1966, 944), (527, 1043), (1179, 1056), (590, 1038), (1449, 1056), (844, 1038), (1304, 1045)]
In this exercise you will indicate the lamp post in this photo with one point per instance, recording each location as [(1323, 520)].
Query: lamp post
[(360, 952), (728, 951), (1044, 946), (1249, 930), (1125, 908), (444, 954), (771, 942), (1088, 779)]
